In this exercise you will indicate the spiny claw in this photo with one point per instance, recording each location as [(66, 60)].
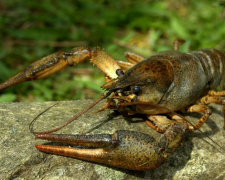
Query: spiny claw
[(123, 149)]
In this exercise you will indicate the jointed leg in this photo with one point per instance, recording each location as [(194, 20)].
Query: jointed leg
[(125, 65), (159, 122), (177, 43), (216, 93), (57, 61), (200, 108), (153, 126), (215, 97), (211, 97), (133, 58)]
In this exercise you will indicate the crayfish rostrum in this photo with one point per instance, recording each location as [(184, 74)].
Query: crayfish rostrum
[(156, 87)]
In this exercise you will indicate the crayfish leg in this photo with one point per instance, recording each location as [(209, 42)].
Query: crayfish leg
[(133, 58), (177, 43), (215, 97), (159, 122), (200, 108), (125, 65)]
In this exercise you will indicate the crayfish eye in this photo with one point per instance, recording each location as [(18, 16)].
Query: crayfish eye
[(119, 72), (136, 89)]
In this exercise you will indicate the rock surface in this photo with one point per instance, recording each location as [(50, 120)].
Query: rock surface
[(19, 159)]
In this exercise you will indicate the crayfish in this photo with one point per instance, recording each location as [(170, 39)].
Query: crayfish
[(156, 87)]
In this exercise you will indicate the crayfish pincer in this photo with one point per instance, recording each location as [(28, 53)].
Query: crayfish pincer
[(156, 87), (124, 149)]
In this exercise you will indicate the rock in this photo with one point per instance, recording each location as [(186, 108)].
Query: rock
[(198, 158)]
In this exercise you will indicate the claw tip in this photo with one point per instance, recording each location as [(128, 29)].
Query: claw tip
[(37, 146)]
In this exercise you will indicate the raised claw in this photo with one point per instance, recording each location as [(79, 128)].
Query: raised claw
[(37, 70), (55, 62), (123, 149)]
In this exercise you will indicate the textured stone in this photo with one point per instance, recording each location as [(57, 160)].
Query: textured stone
[(196, 159)]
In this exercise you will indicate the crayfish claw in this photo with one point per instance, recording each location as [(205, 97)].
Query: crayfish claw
[(38, 70), (123, 149)]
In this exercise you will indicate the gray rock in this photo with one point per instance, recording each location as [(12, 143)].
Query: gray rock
[(198, 158)]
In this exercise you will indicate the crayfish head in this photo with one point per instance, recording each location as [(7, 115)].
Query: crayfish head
[(148, 81), (124, 93), (151, 77)]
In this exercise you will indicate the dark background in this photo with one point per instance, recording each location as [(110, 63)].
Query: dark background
[(30, 30)]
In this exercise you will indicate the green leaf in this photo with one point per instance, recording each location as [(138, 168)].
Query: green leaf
[(9, 97), (179, 28)]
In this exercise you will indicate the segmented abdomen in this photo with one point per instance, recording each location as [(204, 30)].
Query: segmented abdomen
[(213, 63)]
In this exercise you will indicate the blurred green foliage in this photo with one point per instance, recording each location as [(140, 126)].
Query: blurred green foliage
[(33, 29)]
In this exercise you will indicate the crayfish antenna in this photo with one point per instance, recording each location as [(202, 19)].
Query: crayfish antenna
[(103, 96)]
